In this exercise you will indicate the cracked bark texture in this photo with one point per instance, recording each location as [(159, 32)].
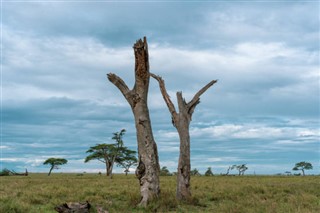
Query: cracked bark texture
[(181, 121), (148, 166)]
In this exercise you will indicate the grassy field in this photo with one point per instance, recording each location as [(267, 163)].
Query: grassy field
[(39, 193)]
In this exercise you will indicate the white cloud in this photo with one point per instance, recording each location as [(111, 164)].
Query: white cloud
[(35, 162), (259, 132), (290, 142), (167, 149), (2, 147), (170, 164), (168, 134), (42, 145), (219, 159), (251, 131), (217, 131), (10, 159)]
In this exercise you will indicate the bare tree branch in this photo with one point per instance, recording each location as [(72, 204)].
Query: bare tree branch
[(122, 86), (165, 95), (101, 160), (196, 99)]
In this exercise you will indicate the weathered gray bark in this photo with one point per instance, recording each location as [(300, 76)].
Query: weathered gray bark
[(181, 121), (77, 207), (74, 207), (148, 167)]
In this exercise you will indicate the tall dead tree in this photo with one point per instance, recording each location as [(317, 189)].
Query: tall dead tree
[(181, 121), (148, 166)]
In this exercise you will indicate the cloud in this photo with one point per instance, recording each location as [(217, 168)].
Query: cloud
[(275, 71), (2, 147), (9, 159), (252, 131), (58, 67), (261, 21), (57, 101)]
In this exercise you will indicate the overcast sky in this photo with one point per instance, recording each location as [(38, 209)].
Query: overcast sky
[(263, 112)]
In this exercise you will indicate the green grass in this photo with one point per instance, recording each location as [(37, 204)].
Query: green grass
[(39, 193)]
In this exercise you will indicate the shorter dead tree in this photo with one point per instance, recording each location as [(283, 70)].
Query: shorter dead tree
[(181, 121)]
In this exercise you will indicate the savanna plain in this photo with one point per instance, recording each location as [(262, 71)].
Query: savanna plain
[(40, 193)]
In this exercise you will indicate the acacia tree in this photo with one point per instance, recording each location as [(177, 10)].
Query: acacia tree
[(127, 159), (302, 166), (195, 172), (208, 172), (117, 136), (103, 153), (165, 171), (107, 153), (181, 121), (148, 167), (55, 163)]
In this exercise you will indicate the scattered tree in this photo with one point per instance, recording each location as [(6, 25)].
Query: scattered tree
[(195, 172), (208, 172), (288, 173), (148, 167), (55, 163), (302, 166), (228, 170), (103, 153), (108, 153), (241, 168), (127, 159), (117, 136), (164, 171), (181, 121)]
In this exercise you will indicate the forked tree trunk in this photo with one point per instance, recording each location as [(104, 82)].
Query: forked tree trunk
[(181, 121), (148, 167)]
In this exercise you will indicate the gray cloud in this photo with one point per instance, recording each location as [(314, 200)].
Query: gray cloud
[(57, 100), (202, 24)]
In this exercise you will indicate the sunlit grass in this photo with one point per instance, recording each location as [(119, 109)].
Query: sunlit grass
[(40, 193)]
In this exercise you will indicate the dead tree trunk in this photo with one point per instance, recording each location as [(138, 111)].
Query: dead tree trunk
[(148, 167), (73, 207), (181, 121)]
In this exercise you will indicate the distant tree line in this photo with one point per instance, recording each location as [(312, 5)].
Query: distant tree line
[(241, 169)]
